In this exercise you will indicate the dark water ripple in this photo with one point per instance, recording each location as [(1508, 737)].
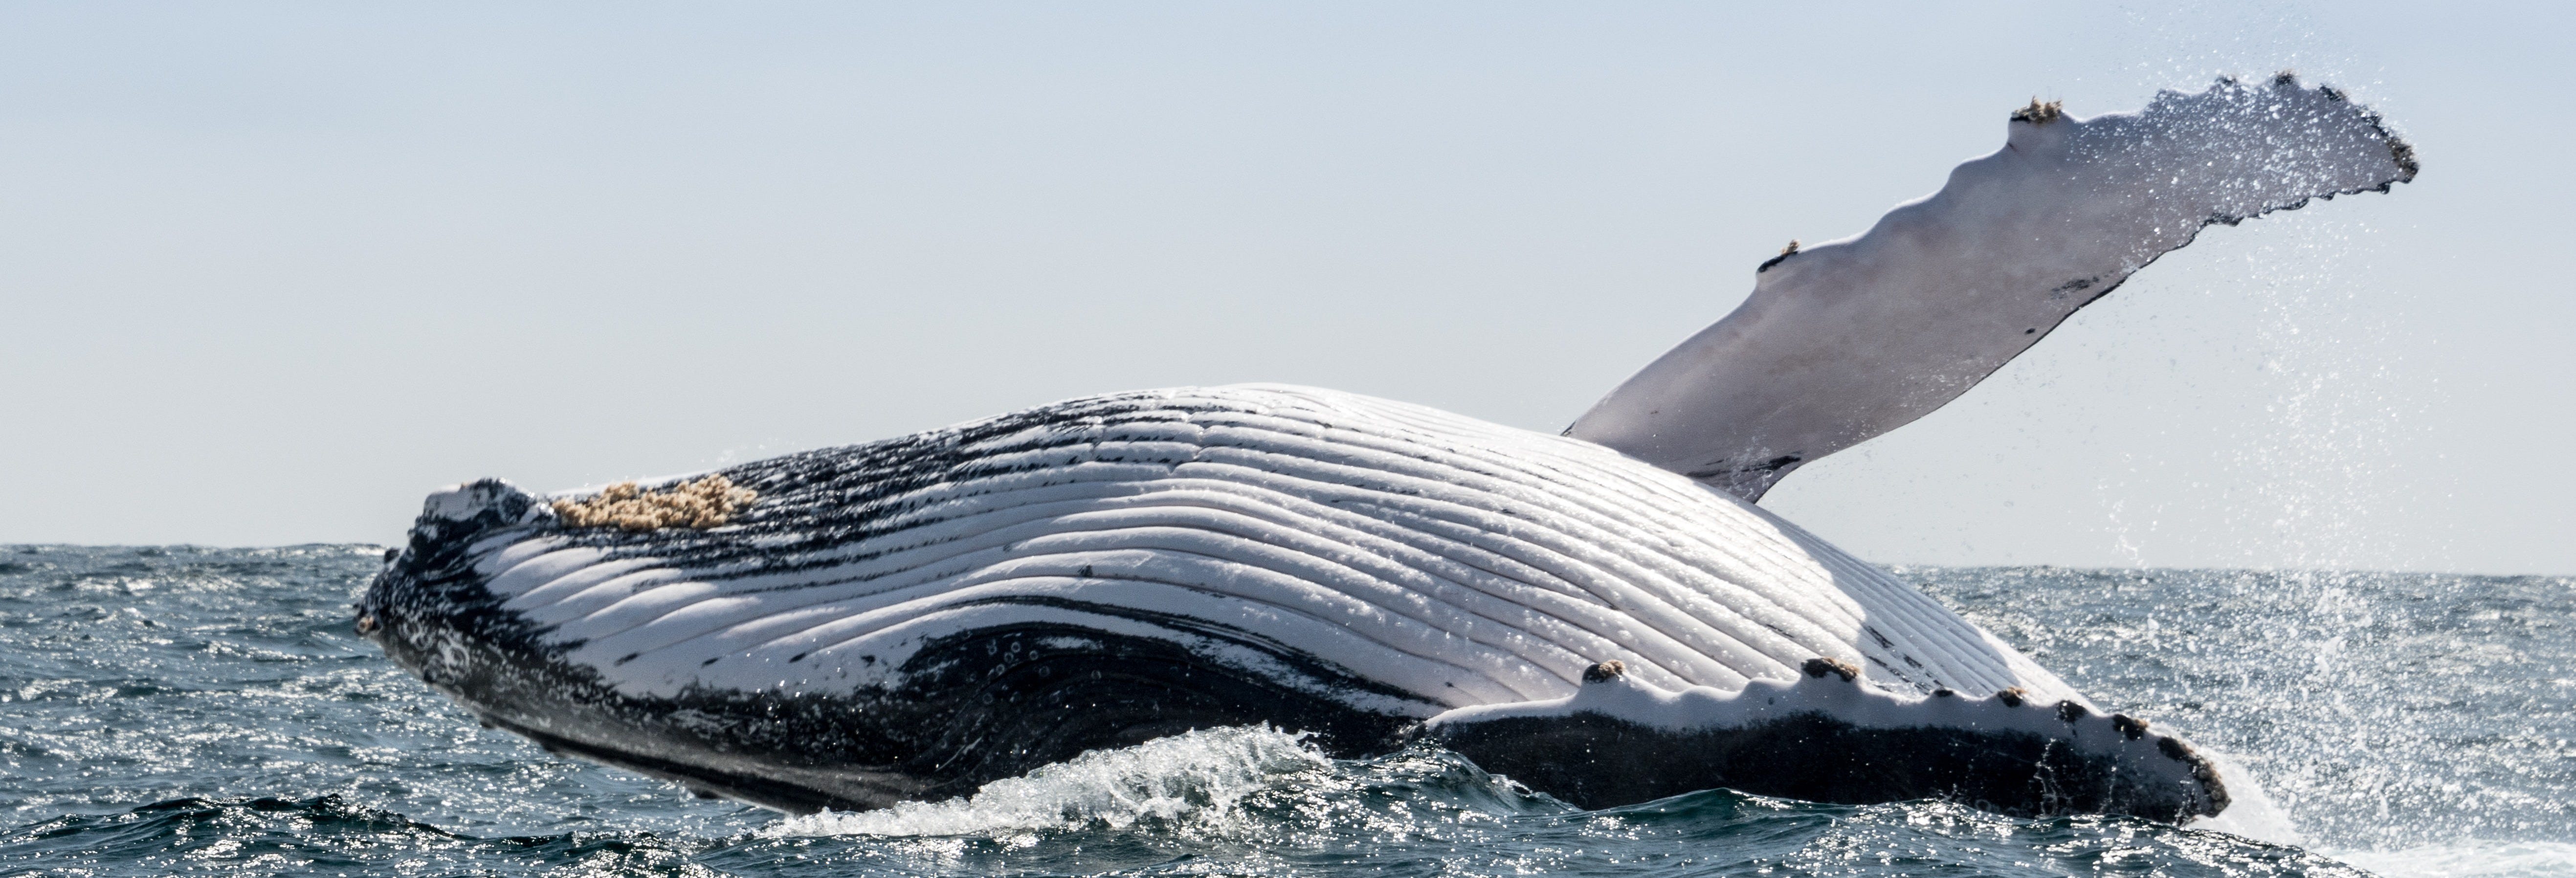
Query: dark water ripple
[(200, 711)]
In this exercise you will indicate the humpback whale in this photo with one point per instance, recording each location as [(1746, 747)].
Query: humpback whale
[(1605, 615)]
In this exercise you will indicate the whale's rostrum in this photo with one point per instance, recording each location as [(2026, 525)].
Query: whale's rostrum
[(1603, 615)]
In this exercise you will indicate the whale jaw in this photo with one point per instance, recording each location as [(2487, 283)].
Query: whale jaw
[(973, 708), (978, 708)]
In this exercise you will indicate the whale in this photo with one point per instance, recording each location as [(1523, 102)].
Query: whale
[(1605, 615)]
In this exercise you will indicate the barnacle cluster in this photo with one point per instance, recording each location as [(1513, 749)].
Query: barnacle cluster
[(707, 502), (2039, 113)]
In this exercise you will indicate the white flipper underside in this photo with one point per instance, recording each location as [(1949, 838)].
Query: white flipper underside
[(1844, 341)]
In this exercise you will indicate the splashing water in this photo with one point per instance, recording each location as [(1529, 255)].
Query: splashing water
[(2401, 719), (1200, 777)]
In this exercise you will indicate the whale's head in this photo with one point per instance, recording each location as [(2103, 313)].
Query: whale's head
[(428, 608), (497, 599)]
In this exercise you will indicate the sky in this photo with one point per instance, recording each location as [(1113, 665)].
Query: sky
[(271, 272)]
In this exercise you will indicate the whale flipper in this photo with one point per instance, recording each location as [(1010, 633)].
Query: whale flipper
[(1846, 340), (1827, 737)]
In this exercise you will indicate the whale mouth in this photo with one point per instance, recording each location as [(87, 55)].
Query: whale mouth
[(778, 788)]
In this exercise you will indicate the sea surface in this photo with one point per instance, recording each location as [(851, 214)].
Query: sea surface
[(189, 711)]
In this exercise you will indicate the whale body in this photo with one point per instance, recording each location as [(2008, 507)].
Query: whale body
[(1604, 615), (916, 617)]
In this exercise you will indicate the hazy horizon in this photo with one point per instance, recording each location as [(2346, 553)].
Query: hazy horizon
[(275, 271)]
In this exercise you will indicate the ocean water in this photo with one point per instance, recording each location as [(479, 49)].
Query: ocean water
[(186, 711)]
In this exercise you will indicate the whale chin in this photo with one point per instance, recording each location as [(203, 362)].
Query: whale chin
[(912, 619)]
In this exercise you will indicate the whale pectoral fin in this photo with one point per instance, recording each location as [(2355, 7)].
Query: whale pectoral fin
[(1826, 738), (1844, 341)]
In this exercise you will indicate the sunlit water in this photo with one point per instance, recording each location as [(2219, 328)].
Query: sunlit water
[(208, 711)]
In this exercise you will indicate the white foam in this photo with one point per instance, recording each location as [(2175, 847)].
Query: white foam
[(2467, 857), (2250, 811), (1199, 776)]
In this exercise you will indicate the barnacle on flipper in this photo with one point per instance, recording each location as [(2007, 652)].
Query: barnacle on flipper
[(2039, 113)]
